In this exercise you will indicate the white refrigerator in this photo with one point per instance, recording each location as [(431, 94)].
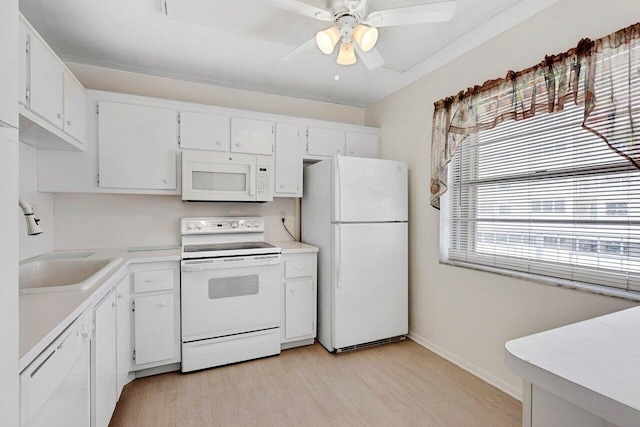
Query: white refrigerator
[(355, 210)]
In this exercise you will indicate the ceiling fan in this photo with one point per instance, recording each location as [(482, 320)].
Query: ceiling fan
[(356, 27)]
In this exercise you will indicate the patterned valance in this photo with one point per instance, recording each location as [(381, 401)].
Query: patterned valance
[(601, 75)]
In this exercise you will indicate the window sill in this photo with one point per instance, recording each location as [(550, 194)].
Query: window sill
[(545, 280)]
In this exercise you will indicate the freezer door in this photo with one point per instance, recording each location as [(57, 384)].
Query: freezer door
[(369, 190), (370, 290)]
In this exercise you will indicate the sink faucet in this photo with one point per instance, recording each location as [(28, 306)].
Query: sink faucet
[(32, 222)]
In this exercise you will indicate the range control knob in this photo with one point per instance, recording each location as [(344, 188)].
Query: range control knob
[(247, 224), (256, 223), (234, 225), (190, 226), (199, 226)]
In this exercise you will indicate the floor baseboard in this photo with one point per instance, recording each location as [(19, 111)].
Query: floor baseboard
[(485, 376)]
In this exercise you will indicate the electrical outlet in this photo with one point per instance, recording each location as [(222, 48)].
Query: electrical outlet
[(283, 215)]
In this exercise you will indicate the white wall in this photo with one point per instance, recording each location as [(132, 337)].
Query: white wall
[(467, 315), (42, 204), (8, 275), (93, 221)]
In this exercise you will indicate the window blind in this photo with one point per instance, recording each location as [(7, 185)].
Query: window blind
[(545, 196)]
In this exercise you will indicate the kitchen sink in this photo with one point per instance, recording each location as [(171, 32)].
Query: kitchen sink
[(63, 275)]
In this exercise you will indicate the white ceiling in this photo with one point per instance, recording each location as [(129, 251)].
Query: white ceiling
[(239, 43)]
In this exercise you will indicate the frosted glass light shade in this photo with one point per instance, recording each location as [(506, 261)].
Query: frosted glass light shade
[(327, 39), (365, 36), (347, 55)]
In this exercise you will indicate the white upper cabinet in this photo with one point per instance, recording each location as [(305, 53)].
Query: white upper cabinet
[(74, 107), (8, 64), (137, 146), (203, 131), (288, 162), (46, 92), (362, 144), (23, 45), (252, 136), (52, 110), (325, 142)]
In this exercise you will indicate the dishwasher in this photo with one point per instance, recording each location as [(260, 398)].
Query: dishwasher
[(55, 387)]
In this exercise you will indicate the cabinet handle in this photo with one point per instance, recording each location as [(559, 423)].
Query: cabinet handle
[(69, 123), (237, 144), (164, 304), (293, 291), (120, 296), (153, 280), (60, 116), (166, 181), (113, 304), (217, 142), (281, 185)]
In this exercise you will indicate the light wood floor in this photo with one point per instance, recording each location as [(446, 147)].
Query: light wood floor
[(400, 384)]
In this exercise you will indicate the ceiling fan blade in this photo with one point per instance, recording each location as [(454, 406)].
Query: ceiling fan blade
[(432, 12), (371, 59), (302, 8), (305, 47)]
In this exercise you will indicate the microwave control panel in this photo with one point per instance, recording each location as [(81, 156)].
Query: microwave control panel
[(263, 183)]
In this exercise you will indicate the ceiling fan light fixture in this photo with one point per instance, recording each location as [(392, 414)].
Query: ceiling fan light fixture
[(327, 39), (365, 36), (347, 55)]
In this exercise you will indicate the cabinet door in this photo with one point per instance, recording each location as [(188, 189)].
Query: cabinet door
[(137, 146), (9, 39), (204, 131), (46, 84), (154, 328), (325, 142), (23, 68), (123, 333), (104, 380), (299, 309), (288, 162), (362, 145), (74, 108), (252, 136)]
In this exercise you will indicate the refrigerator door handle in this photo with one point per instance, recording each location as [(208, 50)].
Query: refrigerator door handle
[(338, 255)]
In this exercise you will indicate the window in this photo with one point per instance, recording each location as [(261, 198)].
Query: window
[(546, 197)]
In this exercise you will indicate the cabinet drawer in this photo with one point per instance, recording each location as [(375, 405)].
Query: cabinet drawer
[(150, 281), (299, 268)]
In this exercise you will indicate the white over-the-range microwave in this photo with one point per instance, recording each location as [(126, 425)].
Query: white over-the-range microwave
[(226, 177)]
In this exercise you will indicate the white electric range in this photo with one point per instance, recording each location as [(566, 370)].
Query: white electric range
[(230, 290)]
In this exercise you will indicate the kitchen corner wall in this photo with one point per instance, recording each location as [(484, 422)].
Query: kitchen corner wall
[(99, 220), (465, 315), (42, 204)]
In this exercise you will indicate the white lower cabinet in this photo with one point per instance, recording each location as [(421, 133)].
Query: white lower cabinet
[(123, 334), (299, 299), (104, 364), (156, 314)]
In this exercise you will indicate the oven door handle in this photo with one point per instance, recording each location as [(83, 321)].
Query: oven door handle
[(225, 263)]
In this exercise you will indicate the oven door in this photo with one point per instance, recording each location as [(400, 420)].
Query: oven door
[(226, 296), (218, 180)]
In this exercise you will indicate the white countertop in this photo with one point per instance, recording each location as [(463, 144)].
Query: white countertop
[(44, 316), (291, 247), (594, 364)]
